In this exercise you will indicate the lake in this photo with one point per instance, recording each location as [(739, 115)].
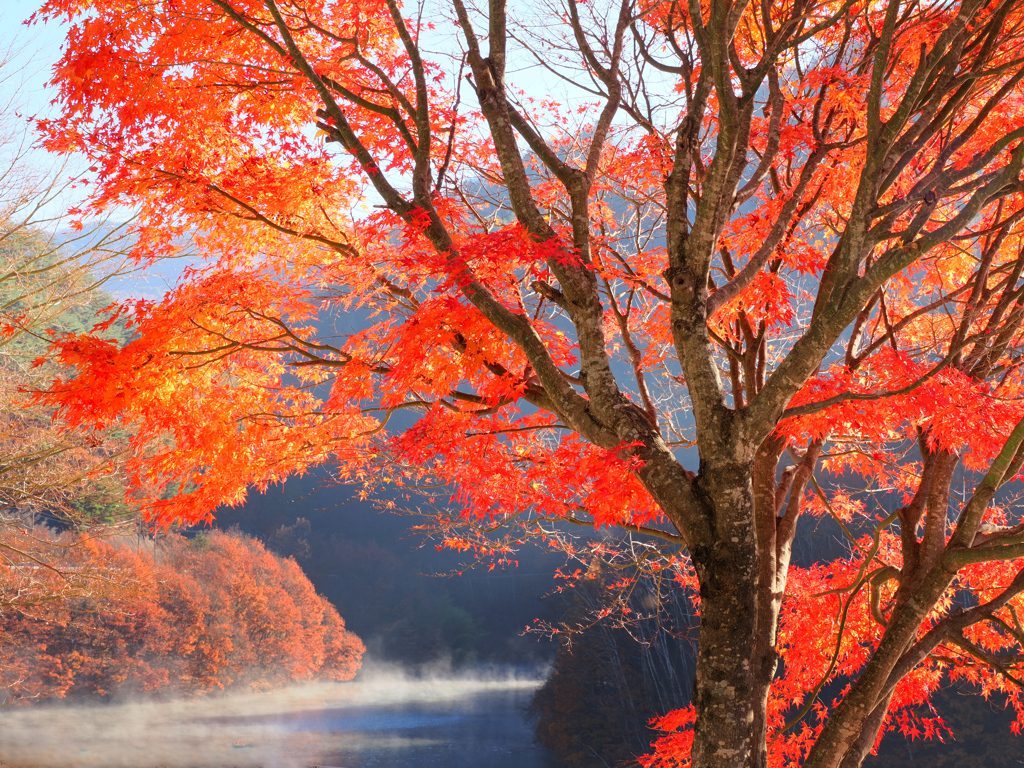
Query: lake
[(380, 721)]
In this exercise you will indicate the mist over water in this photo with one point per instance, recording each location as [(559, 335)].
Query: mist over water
[(384, 719)]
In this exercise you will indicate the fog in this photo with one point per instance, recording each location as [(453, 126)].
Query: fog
[(383, 718)]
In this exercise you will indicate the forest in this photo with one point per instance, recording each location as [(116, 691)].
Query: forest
[(177, 616), (721, 302)]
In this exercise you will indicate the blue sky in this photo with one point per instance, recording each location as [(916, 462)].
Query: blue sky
[(28, 55), (36, 49)]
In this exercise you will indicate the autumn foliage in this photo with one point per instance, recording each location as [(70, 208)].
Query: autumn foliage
[(181, 616), (763, 264)]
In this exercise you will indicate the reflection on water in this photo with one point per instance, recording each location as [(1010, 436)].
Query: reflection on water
[(381, 722)]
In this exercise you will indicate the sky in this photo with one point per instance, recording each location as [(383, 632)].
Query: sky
[(35, 50), (43, 40), (27, 56)]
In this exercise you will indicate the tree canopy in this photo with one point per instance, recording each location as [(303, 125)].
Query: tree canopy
[(753, 242)]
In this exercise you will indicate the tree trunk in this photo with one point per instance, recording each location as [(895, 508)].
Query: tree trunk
[(732, 681)]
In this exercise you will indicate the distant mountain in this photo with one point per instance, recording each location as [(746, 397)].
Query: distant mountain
[(111, 242)]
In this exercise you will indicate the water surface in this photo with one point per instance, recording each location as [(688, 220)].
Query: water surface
[(380, 722)]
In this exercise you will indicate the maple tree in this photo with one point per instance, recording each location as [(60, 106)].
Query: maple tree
[(754, 242)]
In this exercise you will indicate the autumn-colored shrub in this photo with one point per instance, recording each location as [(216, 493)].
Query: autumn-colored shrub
[(178, 615)]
